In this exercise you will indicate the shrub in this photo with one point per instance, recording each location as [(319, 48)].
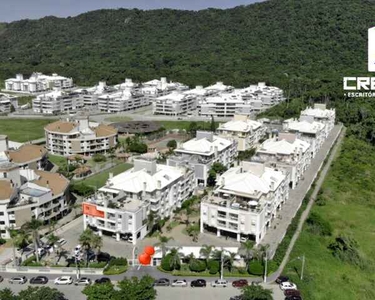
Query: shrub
[(213, 266), (345, 248), (317, 225), (97, 265), (256, 268), (98, 157), (2, 241), (166, 263), (197, 265), (119, 261), (172, 144), (81, 189)]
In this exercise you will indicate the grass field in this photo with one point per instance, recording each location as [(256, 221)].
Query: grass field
[(184, 124), (118, 119), (99, 180), (22, 130), (347, 202), (57, 160)]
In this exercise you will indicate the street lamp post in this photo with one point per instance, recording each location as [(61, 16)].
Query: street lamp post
[(222, 265), (265, 267), (303, 266), (134, 249)]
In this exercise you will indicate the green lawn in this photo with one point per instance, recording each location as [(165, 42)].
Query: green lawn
[(119, 119), (60, 161), (22, 130), (99, 180), (184, 124), (349, 206)]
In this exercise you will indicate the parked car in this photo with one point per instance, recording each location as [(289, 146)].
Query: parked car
[(1, 278), (77, 249), (240, 283), (292, 293), (103, 256), (41, 251), (18, 279), (39, 280), (293, 298), (287, 286), (281, 279), (130, 239), (64, 280), (60, 242), (179, 282), (198, 283), (83, 281), (236, 298), (103, 280), (162, 282), (219, 283)]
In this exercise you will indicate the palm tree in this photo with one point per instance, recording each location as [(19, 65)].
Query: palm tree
[(229, 260), (97, 242), (86, 241), (32, 227), (260, 252), (206, 251), (13, 235), (193, 231), (246, 250), (52, 225), (175, 258), (163, 241)]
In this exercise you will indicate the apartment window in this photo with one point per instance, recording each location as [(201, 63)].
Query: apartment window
[(2, 223), (2, 213), (3, 231), (12, 221)]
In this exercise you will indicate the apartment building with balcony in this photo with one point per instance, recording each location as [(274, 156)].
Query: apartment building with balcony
[(245, 201), (37, 82), (245, 131), (68, 138), (7, 101), (27, 194), (57, 102), (90, 95), (124, 203), (218, 88), (156, 88), (127, 99), (320, 113), (286, 152), (174, 104), (308, 130), (200, 153)]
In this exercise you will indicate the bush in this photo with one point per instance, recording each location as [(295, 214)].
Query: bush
[(166, 263), (317, 225), (213, 266), (256, 268), (98, 158), (119, 261), (97, 265), (197, 265), (2, 241), (172, 144), (81, 189)]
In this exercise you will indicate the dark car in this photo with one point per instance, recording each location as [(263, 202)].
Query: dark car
[(290, 292), (293, 298), (236, 298), (103, 256), (198, 283), (281, 279), (103, 280), (39, 280), (162, 282), (240, 283)]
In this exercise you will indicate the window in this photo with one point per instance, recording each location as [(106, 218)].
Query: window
[(2, 213), (12, 221), (2, 223), (3, 231)]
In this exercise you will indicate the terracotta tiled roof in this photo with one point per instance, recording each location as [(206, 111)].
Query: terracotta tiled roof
[(61, 126), (105, 130), (6, 189), (27, 153), (56, 182)]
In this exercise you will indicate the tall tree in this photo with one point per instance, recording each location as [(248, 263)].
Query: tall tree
[(256, 292), (163, 241), (32, 227), (246, 250), (206, 251), (97, 242), (39, 293), (85, 239)]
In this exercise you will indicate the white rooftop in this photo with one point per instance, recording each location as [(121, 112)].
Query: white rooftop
[(219, 86), (284, 147), (304, 126), (240, 124)]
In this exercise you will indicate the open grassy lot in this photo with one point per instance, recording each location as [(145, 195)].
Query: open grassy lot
[(22, 130), (347, 203), (100, 179), (57, 160), (118, 119), (185, 124)]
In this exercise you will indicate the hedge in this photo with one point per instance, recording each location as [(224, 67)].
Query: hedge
[(166, 264), (256, 268), (213, 266), (197, 265)]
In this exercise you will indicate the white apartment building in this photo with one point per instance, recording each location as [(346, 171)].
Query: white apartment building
[(245, 201), (173, 104), (156, 88), (200, 153), (90, 95), (312, 132), (218, 88), (127, 99), (246, 132), (25, 194), (286, 152), (37, 82), (321, 114), (267, 95), (127, 84), (124, 203), (6, 102), (79, 137), (56, 102)]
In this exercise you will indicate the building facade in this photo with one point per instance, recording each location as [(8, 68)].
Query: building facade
[(6, 103), (245, 201), (123, 100), (57, 102), (37, 82), (246, 132), (79, 137), (173, 104), (321, 114), (124, 204), (200, 153)]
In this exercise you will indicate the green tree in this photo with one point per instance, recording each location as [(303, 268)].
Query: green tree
[(86, 240), (216, 169), (246, 250), (32, 227), (163, 241), (96, 242), (100, 292), (192, 129), (256, 292), (137, 289), (206, 251), (212, 124), (172, 144), (7, 294), (193, 231), (38, 293), (174, 258)]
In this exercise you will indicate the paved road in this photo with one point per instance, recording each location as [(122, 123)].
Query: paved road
[(275, 235)]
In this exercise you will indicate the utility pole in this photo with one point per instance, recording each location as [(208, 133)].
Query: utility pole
[(77, 269), (134, 249), (222, 265), (303, 266), (265, 268)]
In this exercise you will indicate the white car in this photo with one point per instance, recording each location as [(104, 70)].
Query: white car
[(179, 282), (77, 249), (41, 251), (60, 242), (219, 283), (18, 279), (83, 281), (64, 280), (287, 286)]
